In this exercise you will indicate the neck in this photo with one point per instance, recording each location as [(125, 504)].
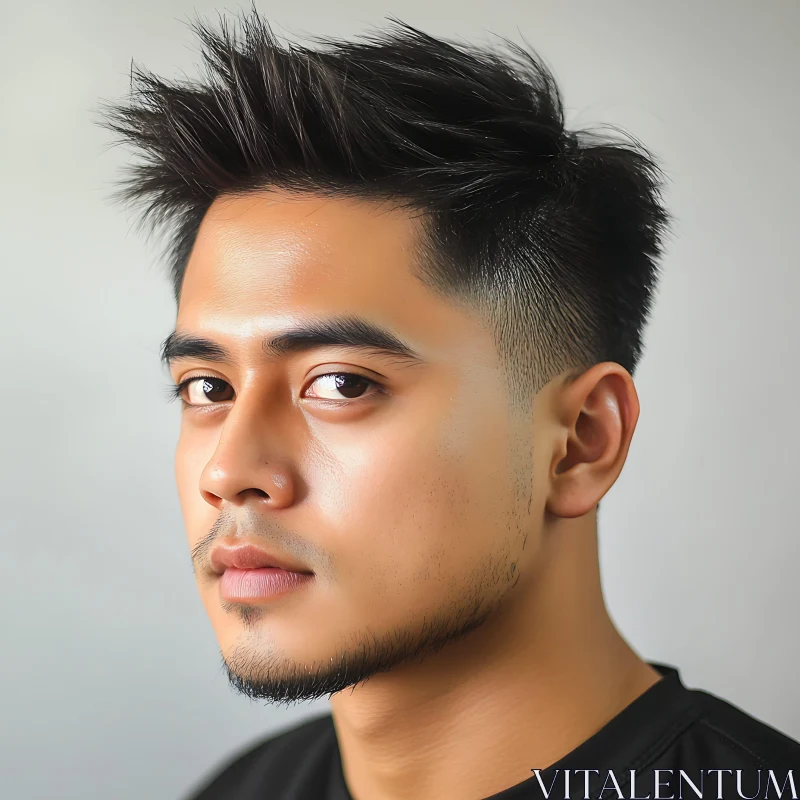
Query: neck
[(547, 671)]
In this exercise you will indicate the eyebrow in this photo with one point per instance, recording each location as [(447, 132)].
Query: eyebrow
[(352, 332)]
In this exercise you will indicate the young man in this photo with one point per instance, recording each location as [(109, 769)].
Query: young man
[(410, 304)]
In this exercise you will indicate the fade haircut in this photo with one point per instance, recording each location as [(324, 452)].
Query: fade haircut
[(552, 236)]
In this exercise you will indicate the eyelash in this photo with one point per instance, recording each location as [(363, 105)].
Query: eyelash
[(175, 392)]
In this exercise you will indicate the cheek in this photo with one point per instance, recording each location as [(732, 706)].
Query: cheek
[(191, 456), (410, 513)]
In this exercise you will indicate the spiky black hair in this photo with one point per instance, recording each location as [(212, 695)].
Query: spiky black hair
[(554, 236)]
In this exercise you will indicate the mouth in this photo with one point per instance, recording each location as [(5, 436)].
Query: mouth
[(259, 584), (251, 574)]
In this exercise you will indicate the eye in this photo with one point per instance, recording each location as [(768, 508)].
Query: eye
[(204, 390), (336, 385)]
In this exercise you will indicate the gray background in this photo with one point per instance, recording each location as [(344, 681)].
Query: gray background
[(110, 676)]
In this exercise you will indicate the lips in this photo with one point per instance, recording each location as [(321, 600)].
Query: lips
[(250, 556)]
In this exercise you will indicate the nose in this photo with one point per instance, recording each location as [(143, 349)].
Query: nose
[(246, 463)]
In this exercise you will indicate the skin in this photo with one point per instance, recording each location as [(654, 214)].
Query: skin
[(453, 545)]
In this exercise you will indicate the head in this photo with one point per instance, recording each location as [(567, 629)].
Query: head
[(409, 306)]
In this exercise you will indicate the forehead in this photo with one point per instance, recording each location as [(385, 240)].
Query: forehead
[(269, 259)]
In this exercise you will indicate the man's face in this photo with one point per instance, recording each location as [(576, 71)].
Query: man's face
[(396, 484)]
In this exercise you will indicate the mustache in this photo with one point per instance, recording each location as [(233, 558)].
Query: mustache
[(200, 553), (261, 528)]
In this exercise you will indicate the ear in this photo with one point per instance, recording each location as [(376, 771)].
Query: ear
[(595, 415)]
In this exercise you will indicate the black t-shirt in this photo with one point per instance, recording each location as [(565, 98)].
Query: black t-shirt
[(667, 736)]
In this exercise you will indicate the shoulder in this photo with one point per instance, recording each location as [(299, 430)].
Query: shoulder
[(271, 762), (731, 732)]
